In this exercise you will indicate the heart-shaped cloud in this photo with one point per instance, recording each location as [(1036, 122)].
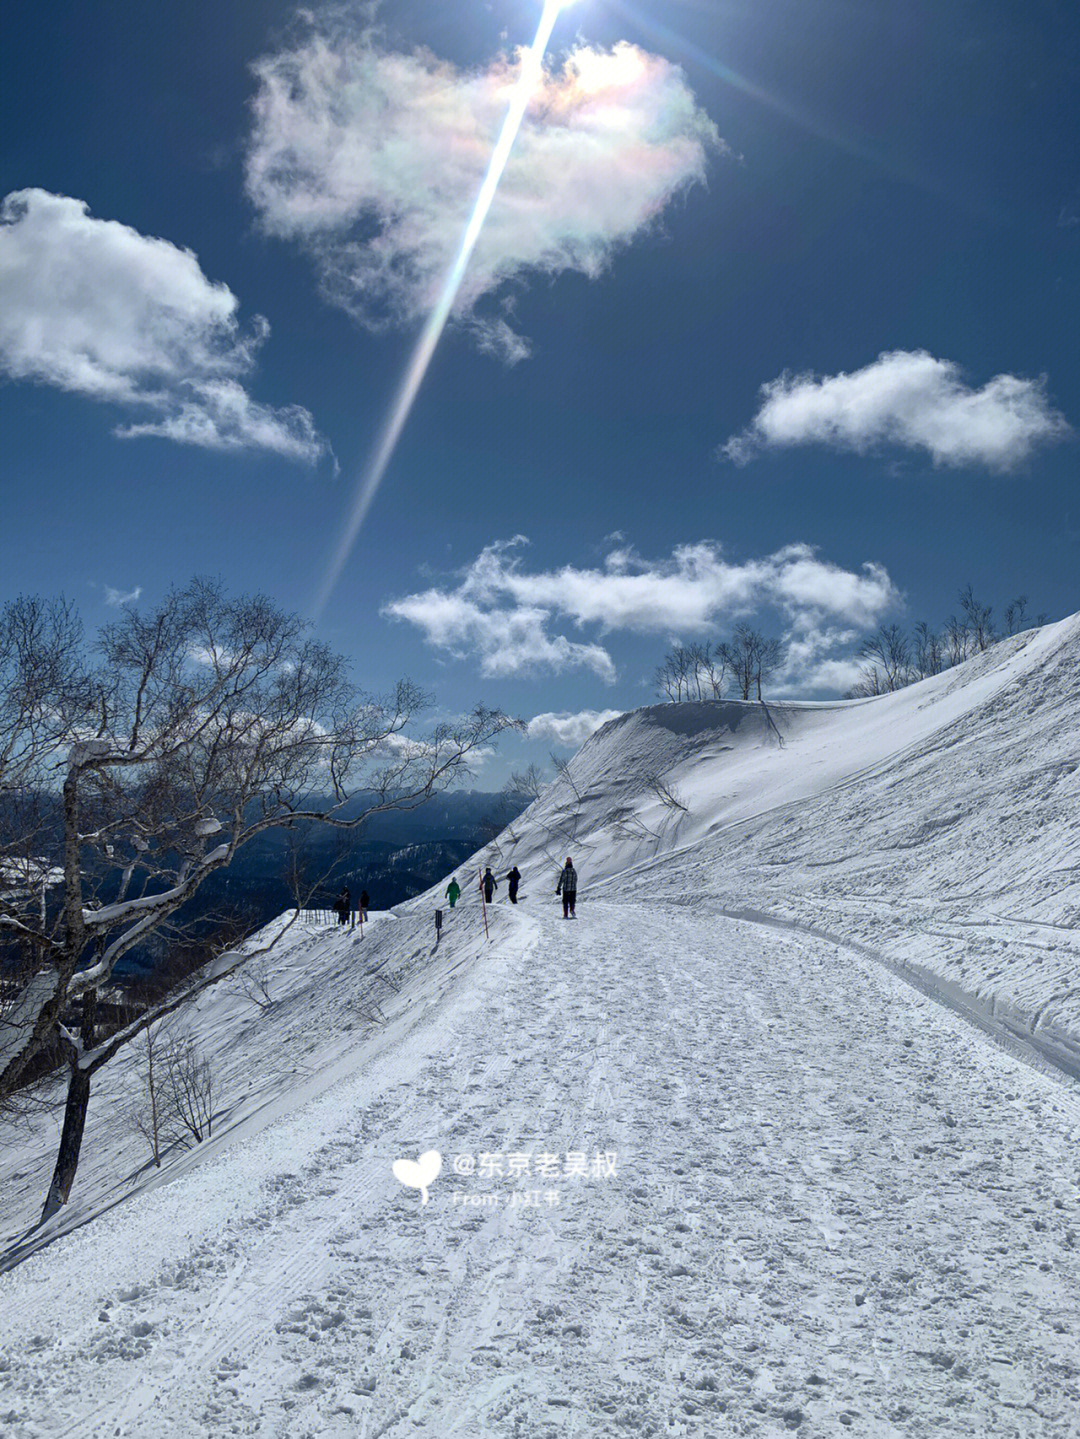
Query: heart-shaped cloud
[(418, 1173)]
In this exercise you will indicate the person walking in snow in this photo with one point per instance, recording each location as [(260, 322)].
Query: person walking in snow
[(453, 892), (567, 887), (513, 879), (490, 884), (364, 902), (343, 906)]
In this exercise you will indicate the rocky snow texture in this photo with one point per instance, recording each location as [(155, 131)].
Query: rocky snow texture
[(837, 1206)]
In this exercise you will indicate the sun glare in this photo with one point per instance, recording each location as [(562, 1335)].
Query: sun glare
[(532, 63)]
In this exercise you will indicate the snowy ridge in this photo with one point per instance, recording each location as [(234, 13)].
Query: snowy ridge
[(938, 827)]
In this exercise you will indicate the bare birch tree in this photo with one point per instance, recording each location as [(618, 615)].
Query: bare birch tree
[(691, 672), (752, 658), (1014, 615), (140, 766), (928, 652), (888, 651), (979, 618)]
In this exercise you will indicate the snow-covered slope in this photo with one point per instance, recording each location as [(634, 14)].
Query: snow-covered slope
[(314, 1005), (939, 826), (831, 1207)]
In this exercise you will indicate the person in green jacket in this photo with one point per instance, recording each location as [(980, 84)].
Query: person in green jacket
[(453, 891)]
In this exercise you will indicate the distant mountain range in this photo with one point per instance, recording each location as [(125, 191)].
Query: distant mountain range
[(394, 856)]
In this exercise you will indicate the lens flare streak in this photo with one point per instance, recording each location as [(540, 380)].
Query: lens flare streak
[(531, 72)]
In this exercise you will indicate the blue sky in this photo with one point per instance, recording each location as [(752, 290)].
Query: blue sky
[(226, 224)]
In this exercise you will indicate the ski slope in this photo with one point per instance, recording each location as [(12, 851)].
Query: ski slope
[(833, 1206)]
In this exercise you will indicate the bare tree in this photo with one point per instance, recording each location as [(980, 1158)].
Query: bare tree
[(564, 773), (929, 655), (893, 662), (692, 672), (1014, 615), (739, 656), (254, 984), (667, 794), (867, 685), (979, 618), (889, 653), (673, 677), (710, 668), (191, 1090), (141, 767), (769, 658), (149, 1113), (527, 785), (752, 659), (958, 641), (176, 1099)]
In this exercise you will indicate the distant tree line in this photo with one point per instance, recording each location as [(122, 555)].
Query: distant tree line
[(892, 658), (700, 671)]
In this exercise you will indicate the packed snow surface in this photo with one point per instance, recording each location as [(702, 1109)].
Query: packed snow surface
[(753, 1181)]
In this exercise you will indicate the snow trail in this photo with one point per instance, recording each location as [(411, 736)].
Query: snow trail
[(836, 1210)]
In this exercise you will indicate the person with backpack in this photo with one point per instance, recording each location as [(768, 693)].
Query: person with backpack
[(453, 892), (343, 905), (490, 885), (567, 887), (513, 879), (364, 902)]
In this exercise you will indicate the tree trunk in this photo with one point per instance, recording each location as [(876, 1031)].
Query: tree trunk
[(67, 1159), (78, 1101)]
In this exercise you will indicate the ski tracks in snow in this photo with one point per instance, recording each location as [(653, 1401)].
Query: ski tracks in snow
[(834, 1211)]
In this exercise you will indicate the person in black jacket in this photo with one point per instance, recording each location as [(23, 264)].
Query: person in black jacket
[(364, 902), (490, 884), (513, 879), (567, 887), (343, 906)]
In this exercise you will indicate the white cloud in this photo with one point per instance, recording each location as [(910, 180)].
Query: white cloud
[(837, 674), (118, 598), (504, 615), (398, 749), (372, 161), (507, 639), (221, 415), (570, 731), (905, 398), (811, 661), (94, 307)]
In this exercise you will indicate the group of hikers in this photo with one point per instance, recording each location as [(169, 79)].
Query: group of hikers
[(343, 905), (567, 887)]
